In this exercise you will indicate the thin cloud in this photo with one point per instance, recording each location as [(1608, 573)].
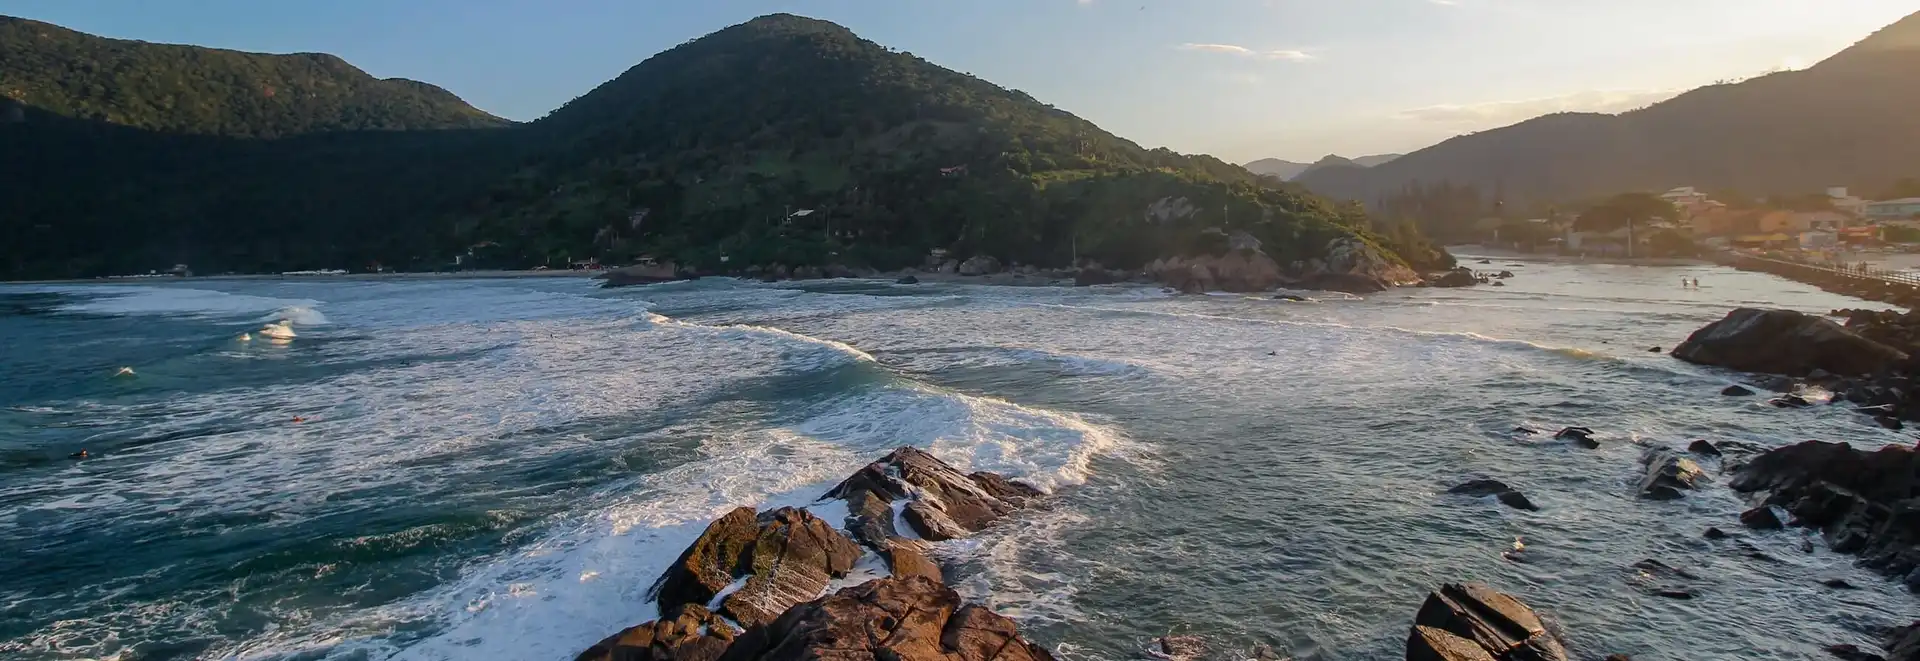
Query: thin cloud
[(1289, 55), (1507, 112), (1444, 3)]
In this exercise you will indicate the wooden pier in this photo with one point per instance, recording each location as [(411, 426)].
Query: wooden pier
[(1900, 288)]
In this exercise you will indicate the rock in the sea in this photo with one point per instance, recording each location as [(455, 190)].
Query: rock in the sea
[(1761, 518), (907, 280), (1430, 644), (684, 633), (642, 274), (1736, 391), (888, 619), (1460, 277), (940, 502), (1850, 652), (1784, 342), (786, 556), (1669, 475), (1507, 495), (1866, 503), (979, 265), (1498, 624), (1350, 283), (1715, 533), (1580, 436), (1703, 448), (1790, 402)]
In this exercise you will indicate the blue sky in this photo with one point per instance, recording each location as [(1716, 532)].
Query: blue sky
[(1240, 79)]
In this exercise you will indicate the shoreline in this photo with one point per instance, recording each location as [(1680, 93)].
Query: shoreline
[(1462, 253)]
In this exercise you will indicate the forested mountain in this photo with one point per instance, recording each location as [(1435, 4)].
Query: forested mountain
[(1288, 170), (781, 140), (209, 91), (1849, 120)]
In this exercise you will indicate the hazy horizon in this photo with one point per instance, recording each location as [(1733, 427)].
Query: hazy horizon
[(1239, 79)]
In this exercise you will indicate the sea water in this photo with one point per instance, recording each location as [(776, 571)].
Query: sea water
[(498, 468)]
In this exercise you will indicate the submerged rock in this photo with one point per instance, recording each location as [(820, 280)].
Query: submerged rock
[(1500, 626), (1784, 342), (1703, 447), (1507, 495), (1737, 391), (1580, 436), (907, 280), (1865, 503)]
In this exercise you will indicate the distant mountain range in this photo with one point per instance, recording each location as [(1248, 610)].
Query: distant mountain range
[(1287, 170), (780, 143), (1850, 120)]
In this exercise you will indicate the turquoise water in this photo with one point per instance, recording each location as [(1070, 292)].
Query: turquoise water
[(497, 468)]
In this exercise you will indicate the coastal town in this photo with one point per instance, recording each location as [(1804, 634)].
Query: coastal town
[(1831, 226)]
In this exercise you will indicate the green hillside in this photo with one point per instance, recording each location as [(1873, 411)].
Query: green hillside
[(209, 91), (703, 154)]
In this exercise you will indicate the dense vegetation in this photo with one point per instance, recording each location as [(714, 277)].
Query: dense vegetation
[(1846, 121), (189, 89), (782, 140)]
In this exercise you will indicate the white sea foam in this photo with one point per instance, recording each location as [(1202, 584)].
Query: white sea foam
[(139, 300)]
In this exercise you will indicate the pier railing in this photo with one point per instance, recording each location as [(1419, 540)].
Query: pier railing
[(1861, 272)]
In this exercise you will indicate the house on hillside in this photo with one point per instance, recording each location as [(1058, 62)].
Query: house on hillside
[(1906, 208)]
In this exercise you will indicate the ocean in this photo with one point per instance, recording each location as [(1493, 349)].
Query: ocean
[(498, 468)]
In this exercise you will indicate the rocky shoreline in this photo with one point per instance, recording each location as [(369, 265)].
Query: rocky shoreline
[(1347, 265), (761, 586)]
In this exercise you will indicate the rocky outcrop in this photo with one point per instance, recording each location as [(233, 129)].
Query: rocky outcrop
[(785, 556), (979, 265), (1784, 342), (1669, 475), (1476, 617), (1460, 277), (1348, 283), (934, 498), (1350, 255), (1866, 503), (642, 274), (1243, 269), (888, 619), (683, 633), (768, 573)]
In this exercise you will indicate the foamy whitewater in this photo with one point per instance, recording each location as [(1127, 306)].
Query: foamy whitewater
[(499, 468)]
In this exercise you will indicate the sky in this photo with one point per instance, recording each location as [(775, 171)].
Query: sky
[(1238, 79)]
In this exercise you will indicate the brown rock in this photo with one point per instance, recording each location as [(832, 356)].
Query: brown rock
[(1669, 475), (1430, 644), (1499, 624), (709, 565), (946, 503), (794, 557), (889, 619), (685, 633), (787, 556), (905, 558)]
